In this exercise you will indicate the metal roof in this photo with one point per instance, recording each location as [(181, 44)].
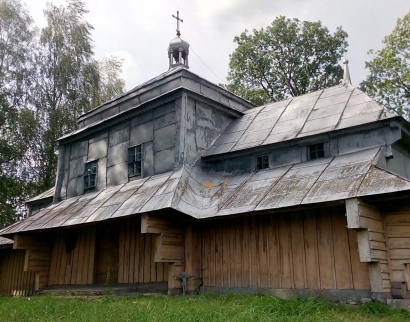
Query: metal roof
[(46, 194), (335, 108), (202, 194), (5, 241)]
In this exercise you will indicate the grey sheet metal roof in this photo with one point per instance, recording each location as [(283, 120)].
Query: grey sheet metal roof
[(201, 194), (46, 194), (5, 241), (335, 108)]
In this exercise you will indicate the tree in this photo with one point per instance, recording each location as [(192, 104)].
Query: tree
[(288, 58), (69, 81), (389, 78), (17, 44)]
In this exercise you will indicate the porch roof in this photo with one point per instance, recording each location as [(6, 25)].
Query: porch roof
[(201, 194)]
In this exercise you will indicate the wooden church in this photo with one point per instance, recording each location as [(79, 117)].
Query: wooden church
[(181, 179)]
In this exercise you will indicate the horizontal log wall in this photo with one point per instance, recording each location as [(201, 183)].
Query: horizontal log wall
[(304, 250), (75, 266), (136, 262), (13, 280), (398, 243)]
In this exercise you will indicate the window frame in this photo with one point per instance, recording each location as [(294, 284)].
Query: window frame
[(88, 176), (135, 161), (262, 163), (319, 153)]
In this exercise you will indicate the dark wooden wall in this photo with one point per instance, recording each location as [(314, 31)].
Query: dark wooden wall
[(136, 254), (13, 280), (74, 266), (303, 250)]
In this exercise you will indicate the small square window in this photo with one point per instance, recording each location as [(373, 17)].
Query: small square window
[(90, 175), (134, 161), (316, 151), (262, 162)]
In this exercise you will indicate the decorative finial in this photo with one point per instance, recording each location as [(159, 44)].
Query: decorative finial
[(178, 20), (346, 73)]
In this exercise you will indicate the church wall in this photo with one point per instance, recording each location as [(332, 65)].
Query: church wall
[(136, 255), (397, 230), (200, 124), (155, 130), (13, 280), (312, 250)]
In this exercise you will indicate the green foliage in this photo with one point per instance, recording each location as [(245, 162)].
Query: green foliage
[(47, 79), (288, 58), (389, 78), (231, 307)]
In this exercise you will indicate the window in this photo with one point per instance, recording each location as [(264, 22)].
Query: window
[(90, 175), (134, 161), (262, 162), (316, 151)]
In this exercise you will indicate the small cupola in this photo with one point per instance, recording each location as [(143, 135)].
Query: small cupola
[(178, 49)]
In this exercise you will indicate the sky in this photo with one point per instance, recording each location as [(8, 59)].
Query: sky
[(139, 31)]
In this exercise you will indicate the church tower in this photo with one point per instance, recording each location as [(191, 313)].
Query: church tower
[(178, 49)]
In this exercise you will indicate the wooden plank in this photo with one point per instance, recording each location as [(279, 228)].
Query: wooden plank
[(263, 253), (311, 254), (325, 251), (153, 224), (298, 254), (352, 213), (91, 258), (398, 230), (147, 258), (399, 242), (142, 258), (254, 250), (233, 253), (137, 257), (226, 236), (218, 254), (238, 249), (212, 260), (273, 251), (246, 260), (189, 265), (285, 254), (121, 247), (341, 249), (133, 233), (397, 218), (359, 270)]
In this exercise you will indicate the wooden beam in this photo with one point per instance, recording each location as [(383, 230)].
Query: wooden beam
[(29, 242), (169, 248), (151, 224)]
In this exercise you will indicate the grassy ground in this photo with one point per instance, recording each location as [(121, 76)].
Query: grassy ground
[(198, 308)]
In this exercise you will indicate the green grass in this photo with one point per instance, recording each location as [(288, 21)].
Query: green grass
[(207, 308)]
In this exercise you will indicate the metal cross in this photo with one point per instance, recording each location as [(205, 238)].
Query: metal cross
[(178, 20), (183, 277)]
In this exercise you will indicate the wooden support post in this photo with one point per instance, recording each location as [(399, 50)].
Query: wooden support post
[(37, 257)]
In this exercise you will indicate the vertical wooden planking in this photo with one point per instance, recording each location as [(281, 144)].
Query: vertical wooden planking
[(232, 260), (246, 260), (263, 253), (63, 261), (153, 277), (254, 250), (142, 258), (273, 251), (311, 252), (212, 256), (325, 251), (343, 268), (133, 233), (91, 251), (238, 247), (226, 260), (121, 245), (137, 227), (359, 270), (298, 251), (285, 254), (127, 252), (147, 258), (218, 254)]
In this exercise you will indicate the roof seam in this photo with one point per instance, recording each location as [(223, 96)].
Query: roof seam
[(220, 206), (344, 109), (310, 112), (367, 172), (270, 132)]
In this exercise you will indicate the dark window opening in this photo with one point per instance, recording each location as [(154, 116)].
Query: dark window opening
[(134, 161), (316, 151), (90, 175), (262, 162)]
